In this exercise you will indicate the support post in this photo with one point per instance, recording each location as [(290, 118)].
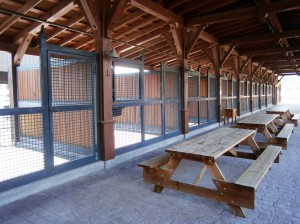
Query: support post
[(102, 44)]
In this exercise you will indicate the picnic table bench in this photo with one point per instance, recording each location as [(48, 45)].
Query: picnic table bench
[(265, 122), (206, 149), (285, 114)]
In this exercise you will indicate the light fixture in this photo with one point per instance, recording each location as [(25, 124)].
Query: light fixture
[(112, 54), (190, 69)]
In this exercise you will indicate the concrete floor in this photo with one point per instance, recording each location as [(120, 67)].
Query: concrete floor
[(119, 195)]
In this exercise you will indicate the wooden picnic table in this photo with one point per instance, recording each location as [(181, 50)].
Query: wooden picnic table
[(206, 149), (281, 110), (265, 122)]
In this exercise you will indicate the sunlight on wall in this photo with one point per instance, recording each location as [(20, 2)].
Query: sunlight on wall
[(290, 89)]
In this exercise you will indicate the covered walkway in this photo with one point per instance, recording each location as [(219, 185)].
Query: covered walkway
[(119, 195)]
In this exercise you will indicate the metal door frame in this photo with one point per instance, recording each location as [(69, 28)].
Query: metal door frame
[(45, 51)]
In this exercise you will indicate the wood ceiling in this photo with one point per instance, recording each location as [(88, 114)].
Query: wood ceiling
[(265, 32)]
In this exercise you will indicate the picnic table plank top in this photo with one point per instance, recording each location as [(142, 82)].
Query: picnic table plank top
[(212, 144), (258, 119), (277, 109)]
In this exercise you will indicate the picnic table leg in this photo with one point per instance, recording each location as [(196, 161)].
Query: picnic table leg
[(267, 134), (288, 114), (171, 165), (273, 128), (216, 173), (254, 146)]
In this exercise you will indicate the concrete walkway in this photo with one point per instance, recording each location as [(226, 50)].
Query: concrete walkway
[(119, 195)]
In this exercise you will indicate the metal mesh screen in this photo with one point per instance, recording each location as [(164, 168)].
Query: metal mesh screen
[(229, 103), (72, 135), (235, 103), (127, 86), (127, 127), (234, 88), (212, 87), (29, 88), (171, 85), (152, 86), (255, 102), (212, 110), (73, 128), (71, 80), (21, 145), (224, 103), (203, 112), (193, 113), (224, 88), (171, 117), (193, 86), (153, 121)]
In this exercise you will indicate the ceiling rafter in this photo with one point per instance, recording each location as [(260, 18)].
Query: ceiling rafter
[(262, 37), (84, 6), (56, 12), (13, 18), (22, 49), (116, 14), (157, 10), (242, 13)]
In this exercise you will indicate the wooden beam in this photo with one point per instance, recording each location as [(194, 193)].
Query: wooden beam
[(276, 58), (245, 63), (89, 15), (271, 50), (194, 39), (262, 37), (157, 11), (171, 44), (178, 37), (209, 38), (256, 69), (22, 49), (117, 12), (13, 18), (227, 54), (249, 12), (56, 12)]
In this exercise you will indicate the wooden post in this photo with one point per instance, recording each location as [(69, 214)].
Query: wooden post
[(185, 109), (217, 66), (102, 43)]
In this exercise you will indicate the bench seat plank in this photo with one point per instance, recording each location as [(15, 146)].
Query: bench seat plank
[(254, 174), (295, 119), (156, 161), (286, 131)]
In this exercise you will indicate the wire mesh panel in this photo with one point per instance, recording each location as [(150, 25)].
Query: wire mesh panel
[(21, 145), (127, 127), (72, 135), (172, 100), (212, 87), (171, 85), (171, 117), (212, 108), (71, 80), (152, 86), (193, 113), (72, 107), (153, 121), (203, 112), (193, 86), (29, 88)]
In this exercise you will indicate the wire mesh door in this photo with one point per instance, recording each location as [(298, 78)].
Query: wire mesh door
[(71, 106), (171, 100)]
